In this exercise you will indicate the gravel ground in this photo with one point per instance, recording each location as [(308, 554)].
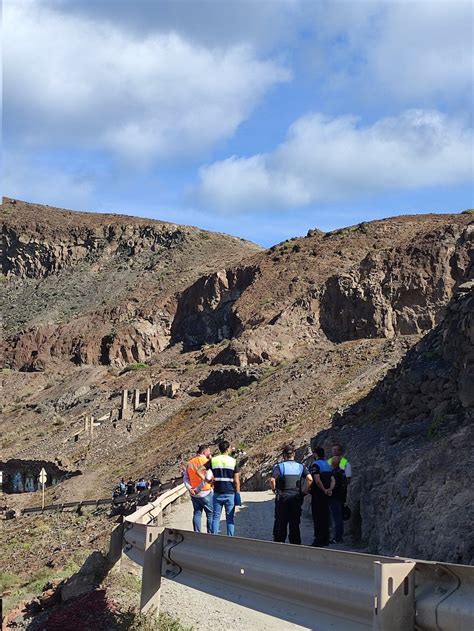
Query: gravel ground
[(203, 611)]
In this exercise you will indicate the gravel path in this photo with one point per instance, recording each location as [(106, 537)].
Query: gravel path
[(203, 611)]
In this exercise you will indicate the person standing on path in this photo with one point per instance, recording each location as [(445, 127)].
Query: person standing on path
[(321, 491), (344, 464), (226, 476), (197, 480), (287, 482), (338, 499)]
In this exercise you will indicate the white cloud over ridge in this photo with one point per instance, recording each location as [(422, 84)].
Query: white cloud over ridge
[(69, 80), (408, 49), (326, 159)]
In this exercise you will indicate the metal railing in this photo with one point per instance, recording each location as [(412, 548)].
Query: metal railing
[(317, 588), (133, 500)]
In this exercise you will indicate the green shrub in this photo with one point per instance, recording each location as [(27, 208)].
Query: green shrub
[(9, 581), (137, 366)]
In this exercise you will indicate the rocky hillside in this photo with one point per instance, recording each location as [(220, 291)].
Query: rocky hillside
[(412, 439), (84, 288), (373, 280), (261, 347)]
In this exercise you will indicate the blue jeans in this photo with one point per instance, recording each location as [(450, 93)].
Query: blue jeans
[(226, 500), (202, 504), (335, 506)]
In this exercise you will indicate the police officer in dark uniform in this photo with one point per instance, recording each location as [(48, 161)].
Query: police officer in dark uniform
[(287, 483), (321, 491)]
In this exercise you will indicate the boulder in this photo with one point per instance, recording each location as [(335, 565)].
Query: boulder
[(224, 378)]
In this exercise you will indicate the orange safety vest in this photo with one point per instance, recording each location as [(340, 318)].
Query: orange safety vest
[(196, 473)]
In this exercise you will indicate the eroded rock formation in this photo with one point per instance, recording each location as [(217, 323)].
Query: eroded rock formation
[(205, 313), (410, 442), (398, 291), (82, 288)]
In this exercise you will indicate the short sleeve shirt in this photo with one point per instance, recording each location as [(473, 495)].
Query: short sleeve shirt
[(325, 476), (223, 468), (294, 490), (276, 473)]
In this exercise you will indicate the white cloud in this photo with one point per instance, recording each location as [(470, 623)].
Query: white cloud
[(70, 80), (411, 51), (209, 22), (46, 183), (325, 159), (424, 49)]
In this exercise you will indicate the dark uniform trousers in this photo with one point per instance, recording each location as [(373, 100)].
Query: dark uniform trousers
[(320, 513), (288, 517)]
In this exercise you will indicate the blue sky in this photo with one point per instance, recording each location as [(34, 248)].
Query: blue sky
[(255, 117)]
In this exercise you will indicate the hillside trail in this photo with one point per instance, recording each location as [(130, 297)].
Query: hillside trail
[(200, 610)]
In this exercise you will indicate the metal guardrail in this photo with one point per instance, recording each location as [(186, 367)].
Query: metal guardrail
[(133, 498), (65, 506), (317, 588)]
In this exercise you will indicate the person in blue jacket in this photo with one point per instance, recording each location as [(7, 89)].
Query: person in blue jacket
[(321, 491)]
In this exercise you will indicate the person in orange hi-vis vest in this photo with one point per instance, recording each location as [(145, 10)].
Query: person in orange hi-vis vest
[(197, 480)]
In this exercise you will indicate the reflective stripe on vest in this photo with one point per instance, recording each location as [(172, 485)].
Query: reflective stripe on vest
[(197, 472), (223, 468), (342, 462)]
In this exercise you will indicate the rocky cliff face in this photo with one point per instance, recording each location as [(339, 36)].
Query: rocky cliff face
[(33, 248), (81, 288), (204, 313), (292, 296), (326, 318), (402, 290), (410, 441), (116, 337)]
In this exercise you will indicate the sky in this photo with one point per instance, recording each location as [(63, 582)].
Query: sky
[(259, 118)]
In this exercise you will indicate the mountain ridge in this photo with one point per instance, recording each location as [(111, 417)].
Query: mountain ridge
[(262, 346)]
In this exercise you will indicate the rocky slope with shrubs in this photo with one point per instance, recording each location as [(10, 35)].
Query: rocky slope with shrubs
[(93, 289), (265, 346)]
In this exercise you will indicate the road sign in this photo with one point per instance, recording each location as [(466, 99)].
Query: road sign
[(43, 476)]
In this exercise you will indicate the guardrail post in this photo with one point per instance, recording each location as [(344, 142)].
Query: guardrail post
[(151, 574), (114, 554), (394, 598)]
